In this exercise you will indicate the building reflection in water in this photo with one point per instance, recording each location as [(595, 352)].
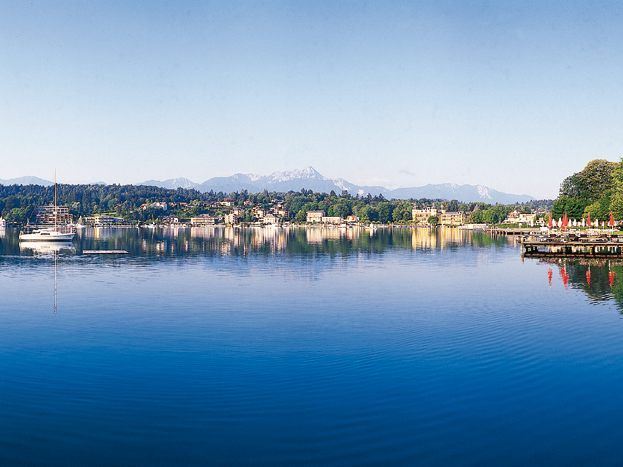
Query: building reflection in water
[(237, 241), (441, 238)]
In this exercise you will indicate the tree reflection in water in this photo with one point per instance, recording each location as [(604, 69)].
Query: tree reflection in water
[(233, 241), (600, 279)]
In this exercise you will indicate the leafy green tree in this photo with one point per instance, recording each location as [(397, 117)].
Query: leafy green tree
[(453, 206), (616, 198), (402, 212), (301, 216), (340, 208), (384, 211), (591, 182)]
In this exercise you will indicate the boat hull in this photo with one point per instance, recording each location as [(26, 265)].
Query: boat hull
[(57, 237)]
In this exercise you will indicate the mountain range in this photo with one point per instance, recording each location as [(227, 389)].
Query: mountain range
[(26, 181), (310, 179)]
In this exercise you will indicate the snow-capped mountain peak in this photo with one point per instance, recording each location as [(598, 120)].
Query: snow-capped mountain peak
[(310, 179), (342, 184), (483, 191), (286, 176), (182, 182)]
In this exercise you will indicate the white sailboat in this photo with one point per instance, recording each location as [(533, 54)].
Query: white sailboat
[(48, 234)]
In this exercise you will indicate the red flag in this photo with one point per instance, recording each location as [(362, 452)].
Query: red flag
[(611, 221)]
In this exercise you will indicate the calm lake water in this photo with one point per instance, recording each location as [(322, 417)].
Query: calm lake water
[(270, 346)]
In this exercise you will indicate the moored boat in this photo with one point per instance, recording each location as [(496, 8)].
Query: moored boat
[(48, 234), (52, 234)]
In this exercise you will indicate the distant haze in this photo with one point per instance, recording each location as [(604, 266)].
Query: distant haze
[(514, 95)]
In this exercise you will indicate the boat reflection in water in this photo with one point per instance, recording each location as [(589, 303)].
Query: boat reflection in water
[(53, 249), (47, 248)]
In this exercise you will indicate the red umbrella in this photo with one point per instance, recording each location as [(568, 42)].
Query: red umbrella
[(611, 221), (565, 221), (551, 221), (588, 220)]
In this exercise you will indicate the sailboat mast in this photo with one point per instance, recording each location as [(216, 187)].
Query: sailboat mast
[(55, 200)]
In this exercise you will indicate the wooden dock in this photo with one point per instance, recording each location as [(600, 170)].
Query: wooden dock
[(510, 231), (593, 248), (104, 252)]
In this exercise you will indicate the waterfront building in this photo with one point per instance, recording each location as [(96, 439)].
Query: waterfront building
[(103, 220), (334, 220), (448, 218), (202, 220), (315, 217), (452, 219), (170, 220), (231, 219), (270, 219), (352, 219), (421, 215)]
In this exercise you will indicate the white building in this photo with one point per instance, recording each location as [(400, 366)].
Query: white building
[(270, 219), (335, 220), (202, 220), (231, 219), (315, 217), (516, 217)]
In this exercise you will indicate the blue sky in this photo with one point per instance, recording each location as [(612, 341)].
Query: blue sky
[(514, 95)]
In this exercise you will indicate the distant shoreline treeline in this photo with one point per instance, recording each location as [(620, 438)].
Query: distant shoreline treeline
[(18, 203)]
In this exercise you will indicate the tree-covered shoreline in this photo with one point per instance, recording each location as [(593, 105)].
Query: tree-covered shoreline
[(596, 190), (138, 203)]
